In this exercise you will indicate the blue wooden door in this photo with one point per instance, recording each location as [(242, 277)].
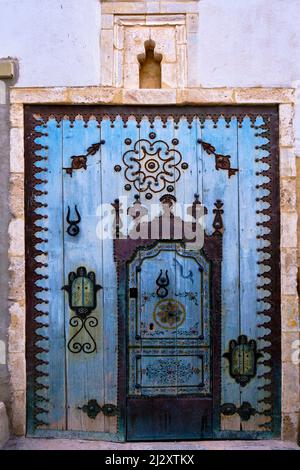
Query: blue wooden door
[(169, 345), (149, 337)]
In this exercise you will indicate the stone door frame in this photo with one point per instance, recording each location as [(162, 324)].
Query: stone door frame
[(283, 97)]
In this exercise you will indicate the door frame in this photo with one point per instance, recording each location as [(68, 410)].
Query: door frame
[(284, 98)]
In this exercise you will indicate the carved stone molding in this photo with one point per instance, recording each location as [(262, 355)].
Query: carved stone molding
[(125, 26)]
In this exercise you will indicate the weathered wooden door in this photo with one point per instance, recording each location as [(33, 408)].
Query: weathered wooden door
[(151, 337)]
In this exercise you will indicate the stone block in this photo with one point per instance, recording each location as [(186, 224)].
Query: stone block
[(290, 313), (286, 129), (4, 428), (118, 37), (131, 76), (290, 387), (122, 7), (164, 38), (288, 194), (38, 95), (288, 230), (297, 121), (152, 6), (134, 43), (169, 75), (149, 96), (94, 95), (16, 115), (205, 96), (181, 66), (16, 332), (188, 6), (288, 162), (17, 370), (264, 95), (289, 341), (165, 20), (290, 427), (16, 235), (192, 23), (180, 31), (17, 278), (107, 21), (118, 68), (16, 150), (132, 20), (193, 67), (18, 413), (107, 57), (17, 195), (289, 270)]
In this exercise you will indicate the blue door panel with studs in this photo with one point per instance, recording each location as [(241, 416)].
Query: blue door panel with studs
[(93, 354)]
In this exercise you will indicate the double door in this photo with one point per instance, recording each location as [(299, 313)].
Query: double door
[(134, 336)]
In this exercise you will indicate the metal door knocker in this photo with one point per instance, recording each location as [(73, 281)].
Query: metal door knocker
[(92, 409), (162, 282), (73, 228), (82, 292)]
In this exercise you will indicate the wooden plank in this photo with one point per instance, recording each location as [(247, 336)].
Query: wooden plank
[(85, 372), (112, 184), (188, 289), (218, 185), (54, 323), (248, 180)]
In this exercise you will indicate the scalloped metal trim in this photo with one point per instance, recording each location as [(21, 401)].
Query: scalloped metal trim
[(39, 405)]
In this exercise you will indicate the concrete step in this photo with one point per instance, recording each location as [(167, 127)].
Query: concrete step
[(75, 444)]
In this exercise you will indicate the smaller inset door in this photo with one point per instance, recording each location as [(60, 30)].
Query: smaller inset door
[(170, 357)]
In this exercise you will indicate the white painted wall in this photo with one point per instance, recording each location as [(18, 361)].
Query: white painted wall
[(55, 41), (249, 42), (241, 42)]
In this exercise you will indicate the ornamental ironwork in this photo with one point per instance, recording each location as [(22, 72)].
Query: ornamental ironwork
[(242, 357), (92, 409), (73, 228), (82, 292), (222, 162), (152, 166), (245, 411)]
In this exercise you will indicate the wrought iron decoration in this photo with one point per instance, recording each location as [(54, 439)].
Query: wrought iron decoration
[(82, 291), (73, 228), (162, 282), (222, 161), (80, 161), (92, 409), (151, 167), (218, 220), (245, 410), (242, 358)]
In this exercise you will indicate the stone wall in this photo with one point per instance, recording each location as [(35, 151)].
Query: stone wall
[(6, 67)]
